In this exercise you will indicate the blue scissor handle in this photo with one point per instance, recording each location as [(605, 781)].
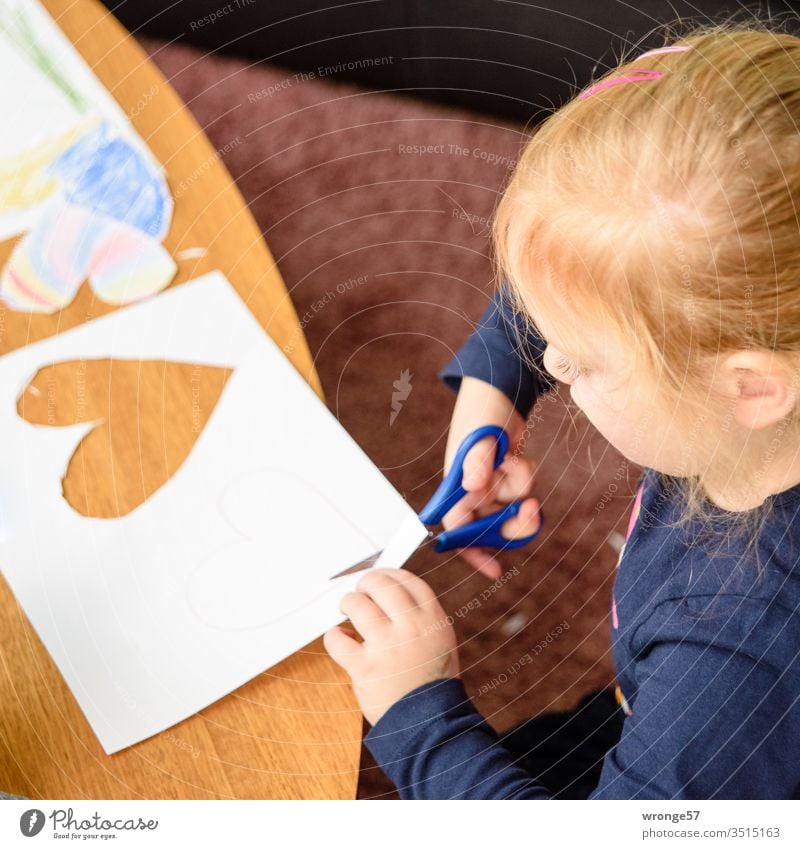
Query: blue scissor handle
[(486, 530), (450, 491)]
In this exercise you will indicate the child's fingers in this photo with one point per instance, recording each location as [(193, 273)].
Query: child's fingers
[(393, 597), (482, 561), (419, 590), (486, 500), (344, 649), (479, 464), (366, 616), (466, 511), (516, 482), (462, 511), (525, 523)]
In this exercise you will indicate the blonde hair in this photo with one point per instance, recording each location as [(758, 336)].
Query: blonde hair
[(663, 211)]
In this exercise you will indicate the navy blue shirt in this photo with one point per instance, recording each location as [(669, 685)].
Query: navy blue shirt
[(706, 646), (504, 352)]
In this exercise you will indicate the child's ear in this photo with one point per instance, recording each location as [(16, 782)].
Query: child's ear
[(761, 385)]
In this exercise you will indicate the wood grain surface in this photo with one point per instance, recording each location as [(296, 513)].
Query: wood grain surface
[(294, 731)]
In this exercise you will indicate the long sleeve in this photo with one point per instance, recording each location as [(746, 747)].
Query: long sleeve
[(715, 716), (502, 352), (433, 744)]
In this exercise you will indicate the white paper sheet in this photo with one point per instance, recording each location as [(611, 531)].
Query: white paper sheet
[(226, 569)]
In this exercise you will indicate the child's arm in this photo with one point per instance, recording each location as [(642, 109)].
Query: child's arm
[(404, 677), (717, 714), (498, 374), (504, 353)]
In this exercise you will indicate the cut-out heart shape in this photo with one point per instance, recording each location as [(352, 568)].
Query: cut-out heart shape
[(147, 414)]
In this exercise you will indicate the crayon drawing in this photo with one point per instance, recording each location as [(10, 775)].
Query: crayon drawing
[(76, 183)]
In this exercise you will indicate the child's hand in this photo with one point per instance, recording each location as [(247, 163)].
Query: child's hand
[(479, 403), (408, 639)]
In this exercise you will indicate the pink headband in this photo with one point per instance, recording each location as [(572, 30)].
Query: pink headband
[(672, 48), (636, 75)]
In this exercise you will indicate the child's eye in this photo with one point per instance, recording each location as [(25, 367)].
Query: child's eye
[(568, 368)]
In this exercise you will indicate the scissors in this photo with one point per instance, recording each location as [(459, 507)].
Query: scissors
[(483, 532)]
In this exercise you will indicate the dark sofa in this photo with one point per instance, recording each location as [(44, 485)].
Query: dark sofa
[(507, 57)]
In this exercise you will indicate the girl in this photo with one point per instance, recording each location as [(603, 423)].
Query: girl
[(649, 250)]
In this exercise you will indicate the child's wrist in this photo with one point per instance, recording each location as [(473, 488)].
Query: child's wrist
[(407, 699), (479, 403)]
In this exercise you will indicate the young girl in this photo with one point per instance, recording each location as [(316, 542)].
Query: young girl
[(649, 249)]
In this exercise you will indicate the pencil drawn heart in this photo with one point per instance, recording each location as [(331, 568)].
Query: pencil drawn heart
[(271, 574), (147, 415)]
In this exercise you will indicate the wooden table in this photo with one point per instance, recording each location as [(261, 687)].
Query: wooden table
[(293, 732)]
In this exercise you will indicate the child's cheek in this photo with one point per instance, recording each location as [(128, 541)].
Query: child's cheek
[(607, 414), (575, 392), (583, 395)]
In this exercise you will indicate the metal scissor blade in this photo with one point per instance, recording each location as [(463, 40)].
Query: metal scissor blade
[(368, 563)]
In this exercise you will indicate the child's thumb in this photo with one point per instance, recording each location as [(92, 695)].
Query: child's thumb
[(479, 464)]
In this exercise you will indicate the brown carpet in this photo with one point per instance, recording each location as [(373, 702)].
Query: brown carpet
[(375, 208)]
